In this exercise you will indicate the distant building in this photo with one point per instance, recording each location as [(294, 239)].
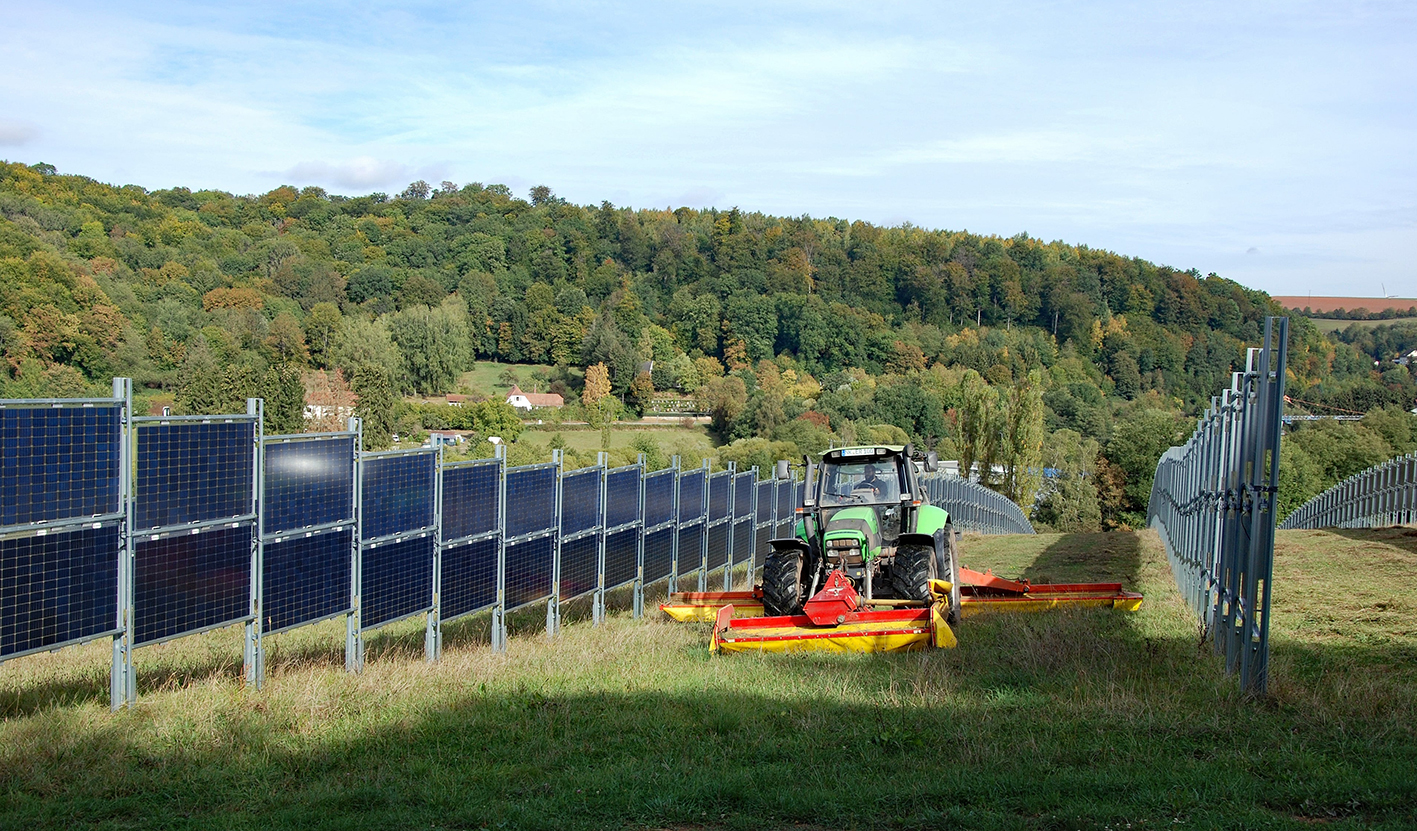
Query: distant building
[(456, 400), (443, 438), (528, 400)]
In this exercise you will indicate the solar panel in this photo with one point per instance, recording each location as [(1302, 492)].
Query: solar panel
[(622, 557), (622, 497), (58, 588), (659, 498), (469, 577), (307, 483), (470, 494), (396, 580), (529, 572), (306, 578), (60, 463), (579, 563), (691, 495), (691, 555), (718, 546), (192, 472), (186, 582), (659, 553), (765, 503), (742, 544), (531, 500), (719, 506), (580, 501), (397, 493), (742, 495)]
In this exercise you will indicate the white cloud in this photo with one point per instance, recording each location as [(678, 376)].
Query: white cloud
[(16, 133), (357, 174)]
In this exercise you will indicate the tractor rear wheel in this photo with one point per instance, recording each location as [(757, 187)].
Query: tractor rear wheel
[(949, 570), (782, 582), (914, 568)]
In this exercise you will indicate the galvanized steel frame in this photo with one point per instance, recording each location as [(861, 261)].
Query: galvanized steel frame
[(1383, 495)]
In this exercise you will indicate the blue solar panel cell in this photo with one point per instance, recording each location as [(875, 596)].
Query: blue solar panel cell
[(719, 506), (691, 495), (764, 513), (60, 463), (622, 497), (580, 501), (742, 495), (659, 498), (659, 553), (57, 588), (192, 472), (622, 557), (691, 554), (397, 580), (470, 495), (186, 582), (397, 494), (742, 544), (579, 561), (307, 483), (718, 546), (306, 578), (469, 577), (531, 500), (529, 571)]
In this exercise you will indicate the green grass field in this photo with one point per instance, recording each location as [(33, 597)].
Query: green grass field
[(486, 377), (1330, 326), (1085, 719)]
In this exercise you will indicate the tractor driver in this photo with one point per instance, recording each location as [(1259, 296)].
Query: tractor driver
[(879, 487)]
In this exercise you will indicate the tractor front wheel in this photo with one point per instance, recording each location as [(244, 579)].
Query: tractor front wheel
[(914, 568), (782, 582)]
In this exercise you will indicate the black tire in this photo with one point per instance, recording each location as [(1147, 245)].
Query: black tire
[(782, 582), (951, 570), (915, 566)]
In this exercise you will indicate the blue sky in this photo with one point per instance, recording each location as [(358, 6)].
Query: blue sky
[(1272, 143)]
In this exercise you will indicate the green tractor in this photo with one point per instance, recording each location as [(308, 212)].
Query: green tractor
[(866, 515)]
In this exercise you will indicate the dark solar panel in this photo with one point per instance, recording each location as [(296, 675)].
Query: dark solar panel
[(469, 577), (531, 500), (691, 495), (742, 495), (185, 582), (622, 557), (59, 463), (397, 495), (57, 588), (742, 543), (470, 495), (306, 578), (718, 545), (579, 561), (659, 498), (765, 497), (580, 501), (719, 506), (691, 555), (397, 580), (659, 551), (622, 497), (192, 472), (529, 571), (308, 482)]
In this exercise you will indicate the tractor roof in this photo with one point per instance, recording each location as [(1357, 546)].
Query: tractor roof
[(870, 451)]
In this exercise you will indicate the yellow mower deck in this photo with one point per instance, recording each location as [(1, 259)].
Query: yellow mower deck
[(837, 619)]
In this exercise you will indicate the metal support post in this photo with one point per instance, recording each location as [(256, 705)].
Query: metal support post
[(353, 628), (597, 613), (638, 603), (433, 635), (704, 527), (499, 612), (553, 605), (732, 528), (674, 537), (122, 681), (254, 654)]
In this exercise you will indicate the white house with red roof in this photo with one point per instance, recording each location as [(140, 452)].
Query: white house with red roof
[(528, 400)]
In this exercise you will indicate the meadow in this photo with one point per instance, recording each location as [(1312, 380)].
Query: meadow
[(1083, 719)]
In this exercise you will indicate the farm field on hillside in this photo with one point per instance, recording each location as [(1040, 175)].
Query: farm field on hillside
[(1330, 326), (1083, 719)]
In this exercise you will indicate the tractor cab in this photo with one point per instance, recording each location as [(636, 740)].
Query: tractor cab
[(858, 491)]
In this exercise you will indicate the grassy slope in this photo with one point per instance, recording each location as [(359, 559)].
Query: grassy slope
[(1328, 326), (1055, 721)]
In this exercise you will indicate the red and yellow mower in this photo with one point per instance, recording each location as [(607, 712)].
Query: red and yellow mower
[(879, 567)]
